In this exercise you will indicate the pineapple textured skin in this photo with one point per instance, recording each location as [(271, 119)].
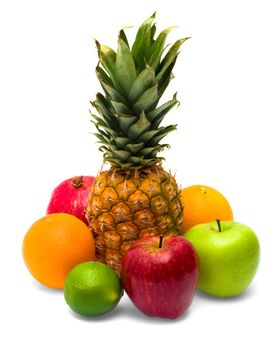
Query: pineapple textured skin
[(126, 205)]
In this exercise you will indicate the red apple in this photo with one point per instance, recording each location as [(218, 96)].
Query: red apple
[(160, 274)]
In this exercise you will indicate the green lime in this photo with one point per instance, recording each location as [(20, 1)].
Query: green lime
[(92, 289)]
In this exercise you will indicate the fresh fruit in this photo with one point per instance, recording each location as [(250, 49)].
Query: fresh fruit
[(136, 197), (92, 289), (203, 204), (229, 254), (160, 275), (71, 197), (53, 245)]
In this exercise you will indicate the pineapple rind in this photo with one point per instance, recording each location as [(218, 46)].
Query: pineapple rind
[(126, 205)]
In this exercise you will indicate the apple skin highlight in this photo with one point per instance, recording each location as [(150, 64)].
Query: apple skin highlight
[(161, 281)]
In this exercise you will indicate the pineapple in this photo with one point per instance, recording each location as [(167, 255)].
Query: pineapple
[(136, 196)]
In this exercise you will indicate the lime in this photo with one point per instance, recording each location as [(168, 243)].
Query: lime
[(92, 288)]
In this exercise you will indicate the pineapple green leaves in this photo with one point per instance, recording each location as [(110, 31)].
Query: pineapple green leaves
[(133, 79)]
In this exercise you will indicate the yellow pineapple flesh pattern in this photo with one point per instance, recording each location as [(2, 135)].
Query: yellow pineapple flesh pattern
[(126, 205)]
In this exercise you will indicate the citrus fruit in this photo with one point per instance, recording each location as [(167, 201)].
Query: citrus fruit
[(203, 204), (53, 245), (92, 288)]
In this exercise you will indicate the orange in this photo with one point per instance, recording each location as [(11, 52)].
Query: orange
[(203, 204), (54, 245)]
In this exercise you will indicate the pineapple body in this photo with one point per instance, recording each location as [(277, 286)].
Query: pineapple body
[(126, 205)]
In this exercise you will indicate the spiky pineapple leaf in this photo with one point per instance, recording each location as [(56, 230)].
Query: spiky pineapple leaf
[(143, 42), (108, 86), (135, 147), (140, 127), (121, 141), (149, 162), (114, 162), (125, 71), (126, 121), (157, 115), (152, 150), (102, 139), (120, 107), (102, 100), (166, 78), (106, 52), (121, 154), (107, 58), (107, 131), (101, 105), (104, 124), (153, 31), (147, 136), (147, 100), (101, 122), (145, 79), (102, 75), (113, 93), (112, 147), (122, 35), (102, 131), (162, 132), (104, 109), (163, 109), (106, 151), (170, 57), (158, 48), (136, 160)]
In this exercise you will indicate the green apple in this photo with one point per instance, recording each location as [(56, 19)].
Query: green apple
[(229, 254)]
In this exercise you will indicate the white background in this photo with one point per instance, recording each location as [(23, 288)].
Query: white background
[(226, 77)]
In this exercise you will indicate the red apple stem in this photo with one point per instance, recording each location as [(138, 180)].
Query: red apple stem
[(219, 225), (160, 240)]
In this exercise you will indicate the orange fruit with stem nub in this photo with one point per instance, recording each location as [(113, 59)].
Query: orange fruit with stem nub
[(54, 245), (203, 204)]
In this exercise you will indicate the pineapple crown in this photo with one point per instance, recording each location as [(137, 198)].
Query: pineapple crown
[(133, 80)]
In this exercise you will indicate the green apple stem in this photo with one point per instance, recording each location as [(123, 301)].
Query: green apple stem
[(160, 240), (219, 225)]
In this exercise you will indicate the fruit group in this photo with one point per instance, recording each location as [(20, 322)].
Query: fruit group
[(228, 254), (71, 197), (53, 245), (160, 275), (203, 204), (136, 197), (92, 289)]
